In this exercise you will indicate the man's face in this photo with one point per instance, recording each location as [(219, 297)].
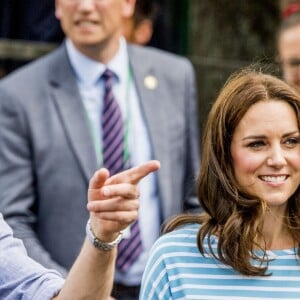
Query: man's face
[(289, 54), (93, 25)]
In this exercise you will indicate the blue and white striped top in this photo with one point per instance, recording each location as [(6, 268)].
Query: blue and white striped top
[(176, 270)]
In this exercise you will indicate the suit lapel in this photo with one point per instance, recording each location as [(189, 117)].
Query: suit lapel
[(70, 108), (153, 104)]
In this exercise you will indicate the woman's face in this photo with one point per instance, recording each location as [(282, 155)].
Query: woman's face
[(266, 152)]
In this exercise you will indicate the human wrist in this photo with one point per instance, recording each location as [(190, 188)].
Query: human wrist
[(100, 244)]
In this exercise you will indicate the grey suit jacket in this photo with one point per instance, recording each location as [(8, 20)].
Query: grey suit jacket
[(47, 154)]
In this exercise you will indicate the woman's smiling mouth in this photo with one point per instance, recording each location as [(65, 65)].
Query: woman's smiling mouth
[(273, 178)]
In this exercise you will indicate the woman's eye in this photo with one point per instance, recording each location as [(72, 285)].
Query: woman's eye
[(256, 144), (292, 141)]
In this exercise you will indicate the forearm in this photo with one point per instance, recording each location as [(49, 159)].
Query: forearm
[(91, 276), (113, 206)]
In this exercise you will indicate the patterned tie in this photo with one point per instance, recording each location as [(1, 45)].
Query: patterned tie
[(113, 159)]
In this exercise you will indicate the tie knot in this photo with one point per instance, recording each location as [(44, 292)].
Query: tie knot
[(108, 74)]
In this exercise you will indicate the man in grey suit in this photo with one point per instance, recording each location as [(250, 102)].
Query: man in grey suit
[(51, 137)]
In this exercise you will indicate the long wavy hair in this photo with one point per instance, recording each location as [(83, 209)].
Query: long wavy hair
[(231, 213)]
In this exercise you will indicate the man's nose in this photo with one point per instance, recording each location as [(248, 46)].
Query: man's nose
[(86, 4)]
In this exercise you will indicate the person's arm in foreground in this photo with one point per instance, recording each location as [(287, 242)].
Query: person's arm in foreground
[(113, 205)]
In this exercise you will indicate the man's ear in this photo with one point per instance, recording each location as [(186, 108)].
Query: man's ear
[(143, 32), (57, 9), (128, 8)]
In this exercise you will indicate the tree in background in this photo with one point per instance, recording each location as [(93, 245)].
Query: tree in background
[(225, 35)]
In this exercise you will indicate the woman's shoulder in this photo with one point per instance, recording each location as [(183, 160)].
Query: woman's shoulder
[(184, 238), (185, 230)]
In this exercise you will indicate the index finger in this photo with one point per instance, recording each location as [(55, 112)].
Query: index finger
[(134, 175)]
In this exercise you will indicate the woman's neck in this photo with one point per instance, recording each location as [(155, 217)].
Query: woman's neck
[(275, 232)]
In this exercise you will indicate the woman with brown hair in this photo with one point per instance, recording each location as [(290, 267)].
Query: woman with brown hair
[(246, 243)]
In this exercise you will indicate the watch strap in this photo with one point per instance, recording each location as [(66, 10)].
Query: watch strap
[(97, 243)]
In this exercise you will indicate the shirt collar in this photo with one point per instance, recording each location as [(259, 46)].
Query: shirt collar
[(88, 71)]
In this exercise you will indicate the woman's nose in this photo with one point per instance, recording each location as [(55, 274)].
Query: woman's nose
[(276, 157)]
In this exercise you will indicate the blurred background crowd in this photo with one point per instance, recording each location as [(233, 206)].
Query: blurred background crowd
[(218, 36)]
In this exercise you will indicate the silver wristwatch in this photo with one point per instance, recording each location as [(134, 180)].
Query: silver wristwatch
[(98, 243)]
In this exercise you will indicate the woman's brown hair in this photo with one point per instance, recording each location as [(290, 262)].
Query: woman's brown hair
[(231, 213)]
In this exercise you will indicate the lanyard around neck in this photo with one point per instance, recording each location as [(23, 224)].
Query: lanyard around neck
[(127, 121)]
